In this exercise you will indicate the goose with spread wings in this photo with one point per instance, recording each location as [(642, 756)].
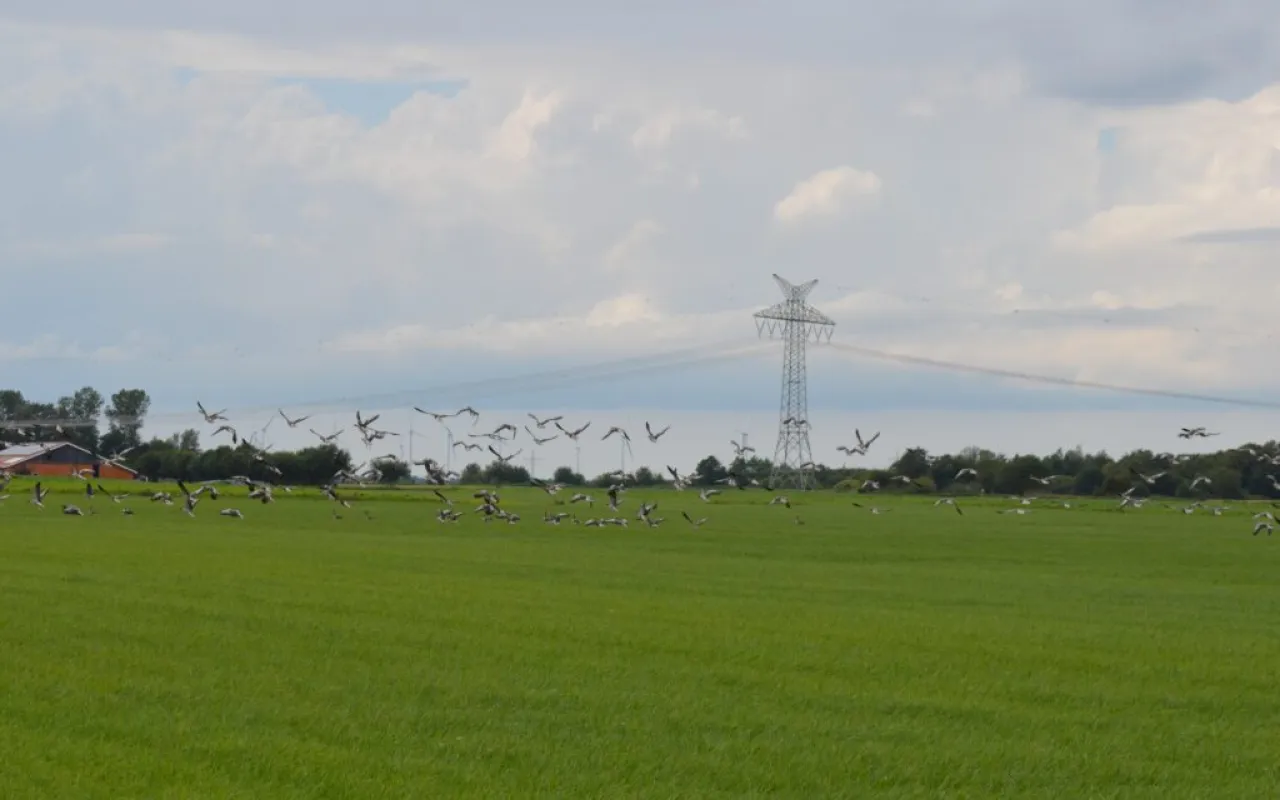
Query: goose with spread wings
[(626, 437), (504, 459), (292, 423), (573, 435), (437, 416), (654, 437), (211, 417), (540, 441)]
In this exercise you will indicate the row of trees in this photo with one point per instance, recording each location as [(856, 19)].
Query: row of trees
[(1252, 470), (167, 459), (79, 415), (77, 418), (1232, 473)]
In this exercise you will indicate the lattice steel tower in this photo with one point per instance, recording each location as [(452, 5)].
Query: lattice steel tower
[(795, 322)]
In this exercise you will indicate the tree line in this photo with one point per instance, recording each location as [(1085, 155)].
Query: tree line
[(1233, 473), (1249, 471), (78, 417)]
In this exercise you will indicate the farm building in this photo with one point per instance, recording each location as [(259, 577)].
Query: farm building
[(59, 458)]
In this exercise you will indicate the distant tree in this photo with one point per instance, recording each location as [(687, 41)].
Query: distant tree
[(1225, 482), (393, 470), (1017, 475), (186, 440), (78, 416), (914, 463), (125, 417), (13, 410), (604, 479), (471, 474), (1089, 480), (568, 477), (500, 472), (709, 471), (754, 468), (646, 477)]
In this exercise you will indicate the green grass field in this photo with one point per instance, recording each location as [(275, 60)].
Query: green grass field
[(919, 653)]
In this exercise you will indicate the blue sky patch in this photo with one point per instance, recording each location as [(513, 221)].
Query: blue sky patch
[(1108, 138), (370, 101)]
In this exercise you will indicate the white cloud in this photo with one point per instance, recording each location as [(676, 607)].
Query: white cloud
[(826, 193), (639, 235), (658, 130), (577, 198), (624, 324)]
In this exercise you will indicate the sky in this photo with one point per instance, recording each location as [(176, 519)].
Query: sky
[(334, 205)]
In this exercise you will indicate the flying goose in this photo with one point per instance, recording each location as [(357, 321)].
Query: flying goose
[(506, 426), (654, 437), (504, 459), (1150, 480), (948, 501), (541, 441), (292, 423), (573, 435), (211, 417), (438, 417), (626, 437), (1189, 433), (1048, 479), (697, 523), (542, 423), (865, 445)]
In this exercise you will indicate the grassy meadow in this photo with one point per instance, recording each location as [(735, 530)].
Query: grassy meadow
[(1082, 653)]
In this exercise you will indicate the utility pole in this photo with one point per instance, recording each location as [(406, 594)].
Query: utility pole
[(410, 413), (577, 449), (795, 322), (533, 463)]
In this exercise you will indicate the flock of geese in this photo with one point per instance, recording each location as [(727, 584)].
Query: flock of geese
[(488, 502)]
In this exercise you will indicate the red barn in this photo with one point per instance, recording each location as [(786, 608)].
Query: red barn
[(60, 459)]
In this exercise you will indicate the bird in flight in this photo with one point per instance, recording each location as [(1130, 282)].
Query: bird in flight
[(292, 423), (654, 437), (211, 417)]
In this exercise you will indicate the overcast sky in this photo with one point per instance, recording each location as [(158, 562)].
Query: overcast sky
[(334, 203)]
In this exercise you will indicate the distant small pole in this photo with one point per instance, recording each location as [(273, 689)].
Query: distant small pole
[(533, 464), (577, 449)]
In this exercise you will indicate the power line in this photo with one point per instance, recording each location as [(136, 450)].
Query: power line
[(470, 391), (1049, 379)]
